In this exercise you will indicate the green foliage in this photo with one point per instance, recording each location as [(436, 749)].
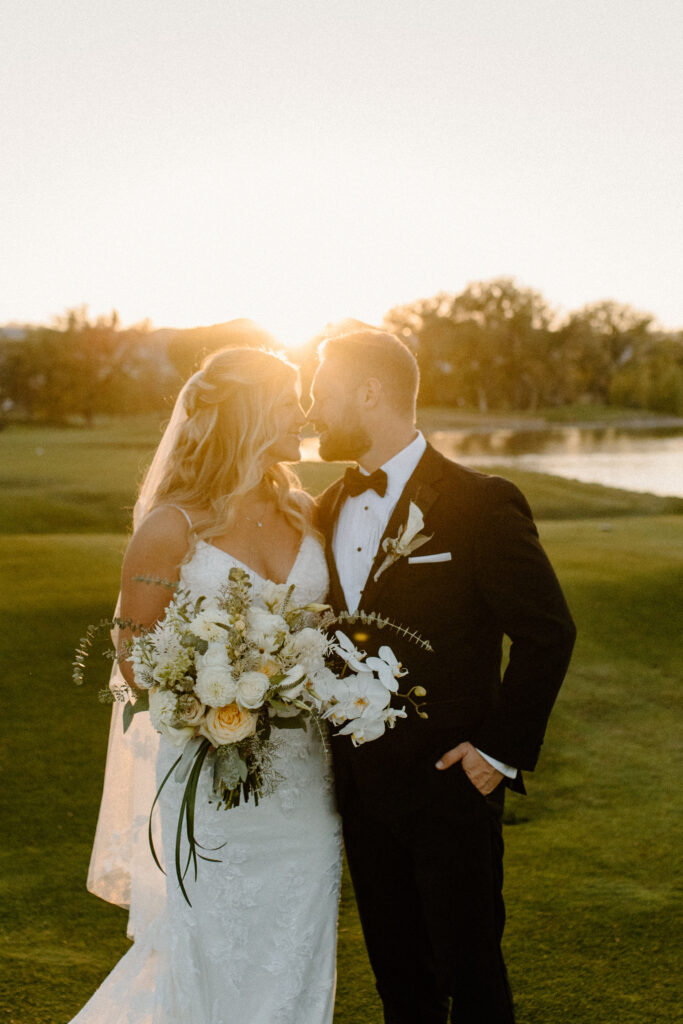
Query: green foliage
[(188, 349), (498, 346), (80, 368)]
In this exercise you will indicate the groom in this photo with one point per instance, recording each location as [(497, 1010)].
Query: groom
[(422, 805)]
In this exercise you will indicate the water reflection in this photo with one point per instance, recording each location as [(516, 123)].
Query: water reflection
[(513, 442), (649, 459), (637, 460)]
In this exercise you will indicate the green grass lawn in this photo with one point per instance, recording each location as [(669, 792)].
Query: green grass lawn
[(593, 932)]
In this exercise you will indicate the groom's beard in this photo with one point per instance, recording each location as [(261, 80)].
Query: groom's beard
[(344, 444)]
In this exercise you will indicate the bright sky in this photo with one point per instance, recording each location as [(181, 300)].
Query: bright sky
[(299, 161)]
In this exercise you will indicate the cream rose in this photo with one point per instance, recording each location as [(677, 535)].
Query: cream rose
[(229, 724), (252, 688)]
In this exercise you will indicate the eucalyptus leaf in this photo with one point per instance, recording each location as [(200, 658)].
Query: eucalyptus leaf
[(141, 702), (128, 712)]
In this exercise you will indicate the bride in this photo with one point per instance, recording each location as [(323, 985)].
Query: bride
[(257, 945)]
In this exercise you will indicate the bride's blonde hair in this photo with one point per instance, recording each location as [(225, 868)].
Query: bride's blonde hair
[(217, 455)]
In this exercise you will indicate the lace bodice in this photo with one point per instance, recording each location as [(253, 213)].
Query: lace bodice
[(207, 571)]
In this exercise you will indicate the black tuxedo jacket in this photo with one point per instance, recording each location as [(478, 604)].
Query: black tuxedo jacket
[(498, 581)]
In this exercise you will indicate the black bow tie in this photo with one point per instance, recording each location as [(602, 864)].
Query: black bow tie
[(356, 482)]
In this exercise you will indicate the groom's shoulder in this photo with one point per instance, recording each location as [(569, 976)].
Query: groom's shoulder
[(471, 486)]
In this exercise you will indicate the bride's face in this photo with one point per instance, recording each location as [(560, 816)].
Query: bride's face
[(289, 419)]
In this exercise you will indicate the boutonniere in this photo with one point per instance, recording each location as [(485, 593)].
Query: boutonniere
[(409, 539)]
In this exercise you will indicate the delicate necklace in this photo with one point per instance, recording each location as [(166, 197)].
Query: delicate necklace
[(257, 521)]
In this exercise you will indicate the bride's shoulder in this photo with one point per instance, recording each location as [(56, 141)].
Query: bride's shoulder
[(165, 529)]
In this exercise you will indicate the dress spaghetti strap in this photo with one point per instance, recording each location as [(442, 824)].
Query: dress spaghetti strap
[(189, 521)]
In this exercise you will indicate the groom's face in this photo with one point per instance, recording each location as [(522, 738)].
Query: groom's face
[(336, 414)]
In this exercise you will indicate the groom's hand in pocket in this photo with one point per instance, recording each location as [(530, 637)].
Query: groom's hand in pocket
[(481, 774)]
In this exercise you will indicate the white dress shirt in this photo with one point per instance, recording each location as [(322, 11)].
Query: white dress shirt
[(363, 520), (359, 529)]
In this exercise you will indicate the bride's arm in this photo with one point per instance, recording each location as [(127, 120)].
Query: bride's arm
[(156, 550)]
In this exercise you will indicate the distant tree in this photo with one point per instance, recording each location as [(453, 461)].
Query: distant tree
[(187, 349), (489, 346), (652, 377), (597, 341), (81, 367)]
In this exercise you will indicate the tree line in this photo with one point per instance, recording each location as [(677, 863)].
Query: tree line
[(496, 346)]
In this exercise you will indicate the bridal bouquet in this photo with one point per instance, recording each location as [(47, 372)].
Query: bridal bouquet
[(219, 675)]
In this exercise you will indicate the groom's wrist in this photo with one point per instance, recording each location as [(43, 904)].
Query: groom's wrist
[(500, 766)]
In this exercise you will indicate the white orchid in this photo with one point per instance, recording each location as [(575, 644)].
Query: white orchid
[(358, 695), (388, 668), (362, 730), (348, 652), (407, 540), (392, 714)]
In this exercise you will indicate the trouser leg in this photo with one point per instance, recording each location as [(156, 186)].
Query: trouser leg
[(429, 893), (458, 874), (395, 934)]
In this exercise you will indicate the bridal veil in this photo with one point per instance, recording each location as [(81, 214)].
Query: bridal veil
[(122, 870)]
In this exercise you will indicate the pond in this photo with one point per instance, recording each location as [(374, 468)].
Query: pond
[(635, 459)]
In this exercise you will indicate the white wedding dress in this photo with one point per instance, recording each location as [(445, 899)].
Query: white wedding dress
[(258, 944)]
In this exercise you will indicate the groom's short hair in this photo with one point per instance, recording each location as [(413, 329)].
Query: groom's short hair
[(372, 353)]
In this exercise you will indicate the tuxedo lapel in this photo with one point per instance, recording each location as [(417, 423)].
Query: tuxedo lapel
[(336, 595), (420, 489)]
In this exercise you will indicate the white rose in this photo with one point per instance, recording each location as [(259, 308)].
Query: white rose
[(215, 686), (216, 657), (251, 689), (229, 724)]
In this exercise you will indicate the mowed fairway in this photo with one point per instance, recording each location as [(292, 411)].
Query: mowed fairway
[(593, 932)]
